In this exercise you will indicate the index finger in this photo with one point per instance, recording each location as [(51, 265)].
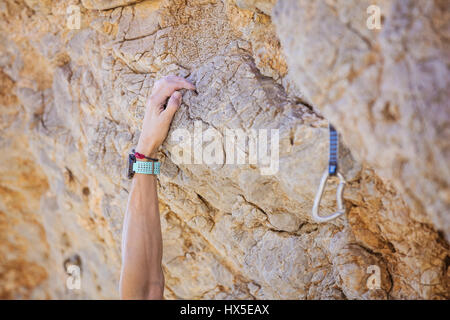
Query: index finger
[(164, 88)]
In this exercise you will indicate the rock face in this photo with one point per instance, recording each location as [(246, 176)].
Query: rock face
[(72, 102), (397, 79)]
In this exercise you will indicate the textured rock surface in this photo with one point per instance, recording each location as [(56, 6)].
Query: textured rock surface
[(397, 79), (72, 102)]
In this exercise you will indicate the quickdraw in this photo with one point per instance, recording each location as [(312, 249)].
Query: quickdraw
[(332, 170)]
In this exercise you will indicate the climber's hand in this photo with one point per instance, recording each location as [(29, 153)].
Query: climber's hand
[(157, 119)]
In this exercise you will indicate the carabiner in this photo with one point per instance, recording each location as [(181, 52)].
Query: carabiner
[(340, 204)]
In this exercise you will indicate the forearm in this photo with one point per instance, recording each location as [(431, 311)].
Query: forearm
[(142, 276)]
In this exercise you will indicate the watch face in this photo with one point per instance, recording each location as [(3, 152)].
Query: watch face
[(131, 160)]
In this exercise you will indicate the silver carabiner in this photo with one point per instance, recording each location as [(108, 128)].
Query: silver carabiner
[(340, 204)]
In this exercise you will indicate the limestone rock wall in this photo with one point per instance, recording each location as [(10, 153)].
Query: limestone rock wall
[(397, 79), (72, 102)]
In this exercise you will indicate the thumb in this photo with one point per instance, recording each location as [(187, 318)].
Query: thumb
[(173, 104)]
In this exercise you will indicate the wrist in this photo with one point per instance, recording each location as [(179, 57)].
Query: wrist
[(146, 148)]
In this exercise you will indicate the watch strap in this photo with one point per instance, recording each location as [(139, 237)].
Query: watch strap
[(142, 156), (146, 167)]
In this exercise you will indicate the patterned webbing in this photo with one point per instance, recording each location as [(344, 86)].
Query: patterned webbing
[(334, 149)]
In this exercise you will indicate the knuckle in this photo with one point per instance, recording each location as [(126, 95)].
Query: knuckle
[(156, 86), (170, 77), (167, 80), (162, 83), (151, 100)]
